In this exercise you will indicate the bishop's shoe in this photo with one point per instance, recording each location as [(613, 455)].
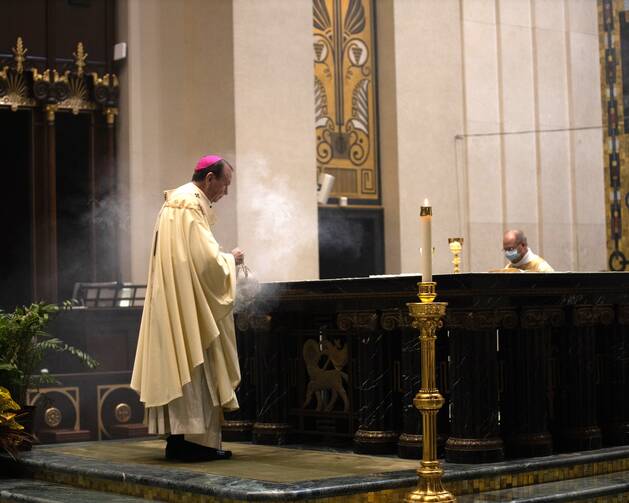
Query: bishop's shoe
[(179, 449)]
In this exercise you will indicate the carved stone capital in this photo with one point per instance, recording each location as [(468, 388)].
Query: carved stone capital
[(539, 317), (349, 320), (589, 316)]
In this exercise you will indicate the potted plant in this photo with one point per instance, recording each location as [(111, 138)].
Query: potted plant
[(24, 343), (12, 434)]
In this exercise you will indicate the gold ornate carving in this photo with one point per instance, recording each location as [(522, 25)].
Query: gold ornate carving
[(390, 319), (246, 321), (110, 114), (78, 98), (345, 111), (52, 417), (79, 59), (588, 316), (356, 320), (324, 378), (543, 317), (50, 113), (19, 53), (14, 90), (122, 412), (53, 91)]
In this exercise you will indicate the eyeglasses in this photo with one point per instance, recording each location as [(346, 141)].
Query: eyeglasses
[(513, 248)]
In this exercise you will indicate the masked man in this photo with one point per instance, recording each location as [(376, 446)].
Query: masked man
[(186, 365), (520, 256)]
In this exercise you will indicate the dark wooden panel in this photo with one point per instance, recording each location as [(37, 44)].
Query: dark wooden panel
[(16, 256), (26, 19), (83, 21), (74, 196)]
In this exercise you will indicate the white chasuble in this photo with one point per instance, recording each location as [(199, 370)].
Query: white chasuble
[(186, 366)]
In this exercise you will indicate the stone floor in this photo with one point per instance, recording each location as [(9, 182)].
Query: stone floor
[(259, 462)]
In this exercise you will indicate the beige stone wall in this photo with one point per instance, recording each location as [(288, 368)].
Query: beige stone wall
[(226, 76), (213, 76), (475, 68), (275, 138)]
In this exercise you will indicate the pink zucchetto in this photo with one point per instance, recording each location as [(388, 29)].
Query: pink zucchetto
[(207, 161)]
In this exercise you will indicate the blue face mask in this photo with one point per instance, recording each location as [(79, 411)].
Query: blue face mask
[(511, 255)]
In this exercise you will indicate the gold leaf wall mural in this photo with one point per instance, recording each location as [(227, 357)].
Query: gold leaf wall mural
[(345, 103)]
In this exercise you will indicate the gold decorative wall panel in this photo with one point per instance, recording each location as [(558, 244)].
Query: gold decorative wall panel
[(346, 118), (613, 19)]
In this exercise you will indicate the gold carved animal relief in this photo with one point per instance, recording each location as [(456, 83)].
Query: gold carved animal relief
[(327, 379)]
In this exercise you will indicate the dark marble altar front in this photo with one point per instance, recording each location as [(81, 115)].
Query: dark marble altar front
[(529, 364), (519, 362)]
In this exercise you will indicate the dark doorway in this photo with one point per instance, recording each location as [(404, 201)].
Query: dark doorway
[(16, 280), (74, 201)]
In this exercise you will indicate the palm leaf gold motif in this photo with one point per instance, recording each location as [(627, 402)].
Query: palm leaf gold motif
[(78, 95), (16, 91)]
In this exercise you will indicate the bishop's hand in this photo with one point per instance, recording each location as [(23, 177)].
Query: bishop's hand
[(239, 256)]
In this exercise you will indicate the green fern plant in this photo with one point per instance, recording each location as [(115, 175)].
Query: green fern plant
[(24, 343)]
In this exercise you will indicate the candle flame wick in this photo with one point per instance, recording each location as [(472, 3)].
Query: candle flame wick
[(426, 202)]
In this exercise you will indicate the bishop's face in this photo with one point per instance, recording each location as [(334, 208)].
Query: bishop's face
[(216, 187)]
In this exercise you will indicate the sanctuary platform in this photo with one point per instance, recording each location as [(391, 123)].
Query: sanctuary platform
[(128, 471)]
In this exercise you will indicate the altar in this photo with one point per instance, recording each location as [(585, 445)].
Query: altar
[(529, 364)]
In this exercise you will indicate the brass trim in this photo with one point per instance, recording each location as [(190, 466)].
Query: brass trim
[(237, 425), (53, 417), (409, 439), (50, 113), (110, 115), (271, 427), (474, 444), (122, 412), (375, 437)]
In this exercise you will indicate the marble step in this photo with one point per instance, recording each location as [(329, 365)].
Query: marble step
[(581, 489), (37, 491)]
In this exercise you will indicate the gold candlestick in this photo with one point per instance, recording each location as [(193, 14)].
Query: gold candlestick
[(427, 317), (456, 246)]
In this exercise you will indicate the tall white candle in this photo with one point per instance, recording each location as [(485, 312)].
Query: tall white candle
[(425, 218)]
